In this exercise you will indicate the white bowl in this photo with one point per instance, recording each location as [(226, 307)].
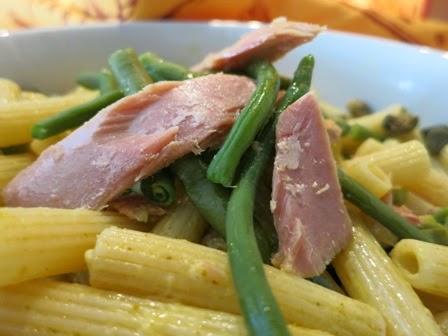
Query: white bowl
[(347, 65)]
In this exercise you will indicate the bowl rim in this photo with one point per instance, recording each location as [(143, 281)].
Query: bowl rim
[(221, 24)]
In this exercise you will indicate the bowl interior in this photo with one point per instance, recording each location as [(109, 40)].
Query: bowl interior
[(347, 65)]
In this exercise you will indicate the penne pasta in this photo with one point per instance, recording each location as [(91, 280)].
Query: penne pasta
[(399, 161), (370, 177), (38, 146), (48, 307), (41, 242), (11, 165), (432, 187), (17, 118), (443, 157), (424, 265), (147, 264), (184, 222), (9, 91), (369, 275), (369, 146), (442, 320), (374, 122), (435, 304)]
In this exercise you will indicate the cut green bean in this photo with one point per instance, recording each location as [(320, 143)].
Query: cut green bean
[(89, 79), (128, 71), (257, 302), (158, 188), (211, 199), (107, 82), (160, 69), (260, 310), (253, 117), (74, 116), (384, 214)]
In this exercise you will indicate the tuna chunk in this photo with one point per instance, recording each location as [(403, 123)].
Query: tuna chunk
[(269, 42), (131, 139), (309, 213)]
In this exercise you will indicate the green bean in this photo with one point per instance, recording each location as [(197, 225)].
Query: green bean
[(158, 188), (73, 117), (257, 302), (211, 199), (252, 118), (89, 79), (128, 71), (258, 305), (160, 69), (107, 82), (326, 280), (384, 214)]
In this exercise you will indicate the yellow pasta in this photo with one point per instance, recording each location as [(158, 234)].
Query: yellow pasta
[(10, 166), (147, 264), (442, 320), (400, 161), (432, 187), (374, 121), (369, 146), (46, 307), (418, 205), (424, 265), (30, 95), (38, 146), (9, 91), (370, 276), (40, 242), (184, 222), (17, 118), (435, 304), (369, 176), (443, 157)]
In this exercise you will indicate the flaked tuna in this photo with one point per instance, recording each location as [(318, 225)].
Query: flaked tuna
[(269, 42), (131, 139), (309, 213)]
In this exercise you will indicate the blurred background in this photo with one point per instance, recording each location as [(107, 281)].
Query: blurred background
[(413, 21)]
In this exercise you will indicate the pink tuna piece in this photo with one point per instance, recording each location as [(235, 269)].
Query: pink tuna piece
[(131, 139), (309, 213), (269, 42)]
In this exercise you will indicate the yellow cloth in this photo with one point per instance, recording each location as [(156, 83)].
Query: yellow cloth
[(17, 14)]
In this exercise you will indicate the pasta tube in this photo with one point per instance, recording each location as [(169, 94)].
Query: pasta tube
[(400, 161), (369, 146), (11, 165), (424, 265), (9, 90), (17, 118), (442, 320), (37, 146), (435, 304), (184, 222), (443, 157), (370, 177), (47, 307), (432, 187), (374, 122), (41, 242), (371, 277), (147, 264)]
